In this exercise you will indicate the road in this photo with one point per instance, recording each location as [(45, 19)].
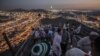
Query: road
[(25, 34)]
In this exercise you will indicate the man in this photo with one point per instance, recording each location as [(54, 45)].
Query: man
[(37, 34), (75, 52), (56, 43), (86, 42), (50, 34), (33, 31), (65, 38)]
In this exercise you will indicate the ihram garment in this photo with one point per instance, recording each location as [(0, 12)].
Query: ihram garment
[(56, 44), (75, 52)]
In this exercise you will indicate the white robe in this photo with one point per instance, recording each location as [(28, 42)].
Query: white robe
[(56, 44), (75, 52), (78, 29), (64, 26), (37, 34)]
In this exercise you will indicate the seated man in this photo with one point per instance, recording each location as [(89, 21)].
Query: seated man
[(85, 43), (75, 52)]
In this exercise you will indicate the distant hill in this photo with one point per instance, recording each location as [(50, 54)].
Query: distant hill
[(18, 10), (32, 10), (39, 10), (95, 13)]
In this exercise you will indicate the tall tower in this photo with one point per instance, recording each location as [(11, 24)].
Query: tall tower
[(51, 7)]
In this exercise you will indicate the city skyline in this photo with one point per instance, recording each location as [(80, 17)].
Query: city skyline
[(45, 4)]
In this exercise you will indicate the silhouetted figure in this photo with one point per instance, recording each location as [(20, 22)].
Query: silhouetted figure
[(8, 43)]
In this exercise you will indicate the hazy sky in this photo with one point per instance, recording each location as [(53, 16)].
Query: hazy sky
[(57, 4)]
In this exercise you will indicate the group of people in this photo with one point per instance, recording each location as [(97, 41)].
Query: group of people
[(61, 41)]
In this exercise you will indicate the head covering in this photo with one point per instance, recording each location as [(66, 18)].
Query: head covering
[(40, 49), (94, 33), (64, 26), (75, 52)]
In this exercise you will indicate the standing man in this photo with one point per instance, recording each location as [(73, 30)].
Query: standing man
[(56, 43), (65, 38)]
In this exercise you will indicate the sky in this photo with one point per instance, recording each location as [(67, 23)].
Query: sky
[(45, 4)]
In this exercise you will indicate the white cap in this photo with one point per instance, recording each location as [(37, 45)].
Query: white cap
[(94, 33)]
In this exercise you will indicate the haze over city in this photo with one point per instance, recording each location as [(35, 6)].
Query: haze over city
[(49, 27), (45, 4)]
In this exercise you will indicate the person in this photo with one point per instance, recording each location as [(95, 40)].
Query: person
[(64, 26), (56, 43), (37, 34), (41, 28), (42, 35), (64, 39), (33, 31), (50, 34), (75, 52), (86, 42)]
